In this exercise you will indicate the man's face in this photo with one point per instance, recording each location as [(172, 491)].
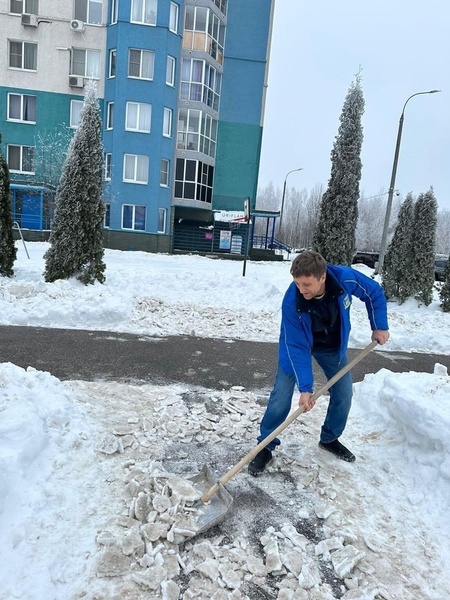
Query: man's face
[(309, 286)]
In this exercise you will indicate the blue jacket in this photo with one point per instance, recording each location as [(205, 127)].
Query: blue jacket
[(296, 340)]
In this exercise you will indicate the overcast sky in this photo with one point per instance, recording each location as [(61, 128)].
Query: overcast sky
[(403, 47)]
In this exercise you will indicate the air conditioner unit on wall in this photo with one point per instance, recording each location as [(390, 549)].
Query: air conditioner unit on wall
[(28, 20), (76, 81), (76, 25)]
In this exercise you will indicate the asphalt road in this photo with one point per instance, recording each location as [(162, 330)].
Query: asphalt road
[(204, 362)]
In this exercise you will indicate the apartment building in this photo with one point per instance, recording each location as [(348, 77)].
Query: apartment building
[(181, 86)]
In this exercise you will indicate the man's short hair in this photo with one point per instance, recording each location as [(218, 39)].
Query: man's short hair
[(307, 264)]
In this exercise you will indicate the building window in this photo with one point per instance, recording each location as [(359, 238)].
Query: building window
[(24, 6), (193, 180), (170, 71), (109, 115), (107, 215), (212, 84), (203, 31), (22, 107), (208, 135), (188, 134), (20, 159), (173, 19), (167, 122), (112, 63), (200, 82), (88, 11), (196, 131), (144, 11), (162, 215), (133, 217), (221, 5), (141, 63), (164, 176), (75, 109), (23, 55), (114, 6), (86, 63), (135, 168), (108, 166), (138, 117)]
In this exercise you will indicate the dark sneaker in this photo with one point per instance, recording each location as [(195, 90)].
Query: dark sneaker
[(258, 464), (338, 449)]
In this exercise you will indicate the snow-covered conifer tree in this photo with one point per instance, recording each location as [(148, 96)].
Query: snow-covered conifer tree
[(76, 240), (334, 236), (399, 264), (444, 292), (424, 246), (7, 247)]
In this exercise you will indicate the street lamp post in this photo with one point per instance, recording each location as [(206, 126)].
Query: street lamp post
[(392, 184), (284, 194)]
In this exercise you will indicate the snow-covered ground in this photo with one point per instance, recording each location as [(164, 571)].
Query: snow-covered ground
[(86, 468)]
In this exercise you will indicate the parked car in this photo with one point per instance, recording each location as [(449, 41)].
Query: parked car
[(366, 258), (439, 266)]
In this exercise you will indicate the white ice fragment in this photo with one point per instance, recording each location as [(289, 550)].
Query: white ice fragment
[(133, 543), (323, 512), (204, 550), (209, 568), (440, 370), (141, 507), (292, 534), (309, 576), (325, 546), (232, 578), (113, 562), (345, 559), (151, 577), (146, 561), (123, 429), (170, 590), (183, 490), (154, 531), (293, 561), (106, 538), (273, 560), (256, 566), (161, 503), (171, 565)]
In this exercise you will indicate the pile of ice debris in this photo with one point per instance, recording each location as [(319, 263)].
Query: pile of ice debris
[(151, 541)]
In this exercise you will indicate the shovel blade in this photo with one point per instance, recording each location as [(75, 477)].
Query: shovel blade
[(220, 504)]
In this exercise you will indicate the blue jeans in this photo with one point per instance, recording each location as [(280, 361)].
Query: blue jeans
[(280, 399)]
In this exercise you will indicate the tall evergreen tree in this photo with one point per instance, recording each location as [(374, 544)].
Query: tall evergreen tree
[(76, 240), (399, 264), (424, 244), (444, 292), (8, 249), (334, 236)]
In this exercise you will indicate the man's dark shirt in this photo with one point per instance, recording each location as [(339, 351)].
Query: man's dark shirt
[(325, 317)]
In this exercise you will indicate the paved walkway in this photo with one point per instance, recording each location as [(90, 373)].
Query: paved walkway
[(204, 362)]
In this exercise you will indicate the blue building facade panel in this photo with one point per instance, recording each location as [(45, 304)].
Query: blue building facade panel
[(122, 89)]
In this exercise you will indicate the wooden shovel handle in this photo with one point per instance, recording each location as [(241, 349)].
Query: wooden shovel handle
[(292, 417)]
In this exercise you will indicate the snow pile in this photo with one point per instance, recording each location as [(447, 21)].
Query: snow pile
[(160, 295)]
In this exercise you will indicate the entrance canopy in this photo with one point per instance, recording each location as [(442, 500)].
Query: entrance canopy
[(32, 206)]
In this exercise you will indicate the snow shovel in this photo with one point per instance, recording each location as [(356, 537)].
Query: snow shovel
[(221, 505)]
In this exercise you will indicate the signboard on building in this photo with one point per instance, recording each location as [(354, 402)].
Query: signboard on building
[(225, 240)]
